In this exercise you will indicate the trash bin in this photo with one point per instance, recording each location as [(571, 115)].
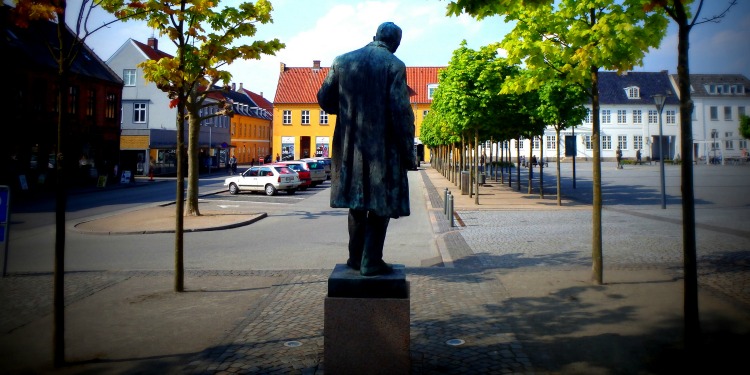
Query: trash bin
[(465, 180), (482, 178)]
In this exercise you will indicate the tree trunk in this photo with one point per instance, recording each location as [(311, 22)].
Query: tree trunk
[(477, 160), (557, 165), (530, 165), (518, 170), (541, 166), (692, 319), (179, 267), (194, 129), (597, 276)]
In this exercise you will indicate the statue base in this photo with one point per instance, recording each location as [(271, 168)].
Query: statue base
[(366, 324)]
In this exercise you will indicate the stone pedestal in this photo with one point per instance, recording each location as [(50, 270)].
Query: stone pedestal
[(366, 324)]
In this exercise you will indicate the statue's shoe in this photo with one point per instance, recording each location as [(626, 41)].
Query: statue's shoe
[(381, 269), (353, 265)]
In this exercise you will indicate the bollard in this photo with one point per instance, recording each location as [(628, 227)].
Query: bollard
[(446, 193), (450, 209)]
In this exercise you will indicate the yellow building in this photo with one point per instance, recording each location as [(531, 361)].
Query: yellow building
[(250, 126), (302, 129)]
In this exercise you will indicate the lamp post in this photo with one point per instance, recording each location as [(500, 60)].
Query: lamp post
[(659, 100)]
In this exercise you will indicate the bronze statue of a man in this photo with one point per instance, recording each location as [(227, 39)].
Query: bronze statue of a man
[(373, 144)]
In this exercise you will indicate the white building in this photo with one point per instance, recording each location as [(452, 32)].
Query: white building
[(719, 101)]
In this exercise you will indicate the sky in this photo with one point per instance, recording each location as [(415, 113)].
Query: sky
[(324, 29)]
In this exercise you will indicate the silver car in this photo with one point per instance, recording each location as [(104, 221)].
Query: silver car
[(266, 178)]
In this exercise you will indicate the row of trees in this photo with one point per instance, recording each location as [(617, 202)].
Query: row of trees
[(565, 43)]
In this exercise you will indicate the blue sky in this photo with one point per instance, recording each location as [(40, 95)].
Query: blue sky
[(323, 29)]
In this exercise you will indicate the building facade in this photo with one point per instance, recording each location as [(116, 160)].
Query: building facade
[(302, 129), (719, 102), (90, 115)]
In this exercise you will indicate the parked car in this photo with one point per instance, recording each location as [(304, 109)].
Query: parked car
[(326, 164), (317, 171), (265, 178), (302, 170)]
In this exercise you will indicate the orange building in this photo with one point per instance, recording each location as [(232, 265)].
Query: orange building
[(302, 129), (250, 129)]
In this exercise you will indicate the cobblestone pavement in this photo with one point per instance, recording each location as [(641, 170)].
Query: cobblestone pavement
[(513, 288)]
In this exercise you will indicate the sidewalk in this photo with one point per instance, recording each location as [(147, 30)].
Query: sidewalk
[(530, 320)]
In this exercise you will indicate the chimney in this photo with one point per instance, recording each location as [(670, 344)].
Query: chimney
[(241, 87), (316, 65), (233, 87), (283, 67), (153, 43)]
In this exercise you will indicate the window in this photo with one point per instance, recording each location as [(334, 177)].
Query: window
[(637, 116), (633, 92), (139, 112), (128, 77), (588, 142), (606, 116), (653, 116), (729, 142), (588, 116), (672, 117), (323, 117), (286, 117), (520, 143), (714, 113), (622, 116), (727, 113), (551, 144), (91, 104), (109, 111), (73, 100), (743, 144), (606, 142), (637, 142), (740, 112), (622, 142), (535, 143), (431, 90), (305, 117)]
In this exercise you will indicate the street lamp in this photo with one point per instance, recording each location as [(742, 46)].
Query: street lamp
[(659, 100)]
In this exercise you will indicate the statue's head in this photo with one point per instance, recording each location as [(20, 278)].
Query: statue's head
[(390, 34)]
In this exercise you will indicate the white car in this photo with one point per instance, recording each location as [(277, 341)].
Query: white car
[(317, 171), (265, 178)]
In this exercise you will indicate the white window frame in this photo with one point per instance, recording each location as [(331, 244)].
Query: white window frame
[(140, 112), (727, 113), (431, 90), (129, 77), (588, 143), (286, 118), (606, 116), (633, 92), (588, 116), (637, 116), (622, 142), (323, 117), (606, 142), (305, 119), (622, 116), (637, 142), (653, 116), (551, 144), (713, 113), (671, 117), (535, 143), (729, 142)]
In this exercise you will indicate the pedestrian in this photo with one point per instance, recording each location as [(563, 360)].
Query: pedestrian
[(373, 144), (618, 156), (278, 158), (233, 164), (638, 156)]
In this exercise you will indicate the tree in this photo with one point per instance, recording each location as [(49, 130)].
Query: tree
[(745, 126), (587, 36), (469, 98), (206, 41), (562, 107), (678, 10), (64, 54)]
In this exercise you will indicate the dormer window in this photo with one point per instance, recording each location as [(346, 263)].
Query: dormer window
[(633, 92), (431, 90)]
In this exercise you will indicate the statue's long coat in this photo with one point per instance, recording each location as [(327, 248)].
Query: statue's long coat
[(373, 142)]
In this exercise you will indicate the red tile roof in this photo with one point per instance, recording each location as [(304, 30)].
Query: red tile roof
[(300, 85), (153, 54), (260, 100)]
